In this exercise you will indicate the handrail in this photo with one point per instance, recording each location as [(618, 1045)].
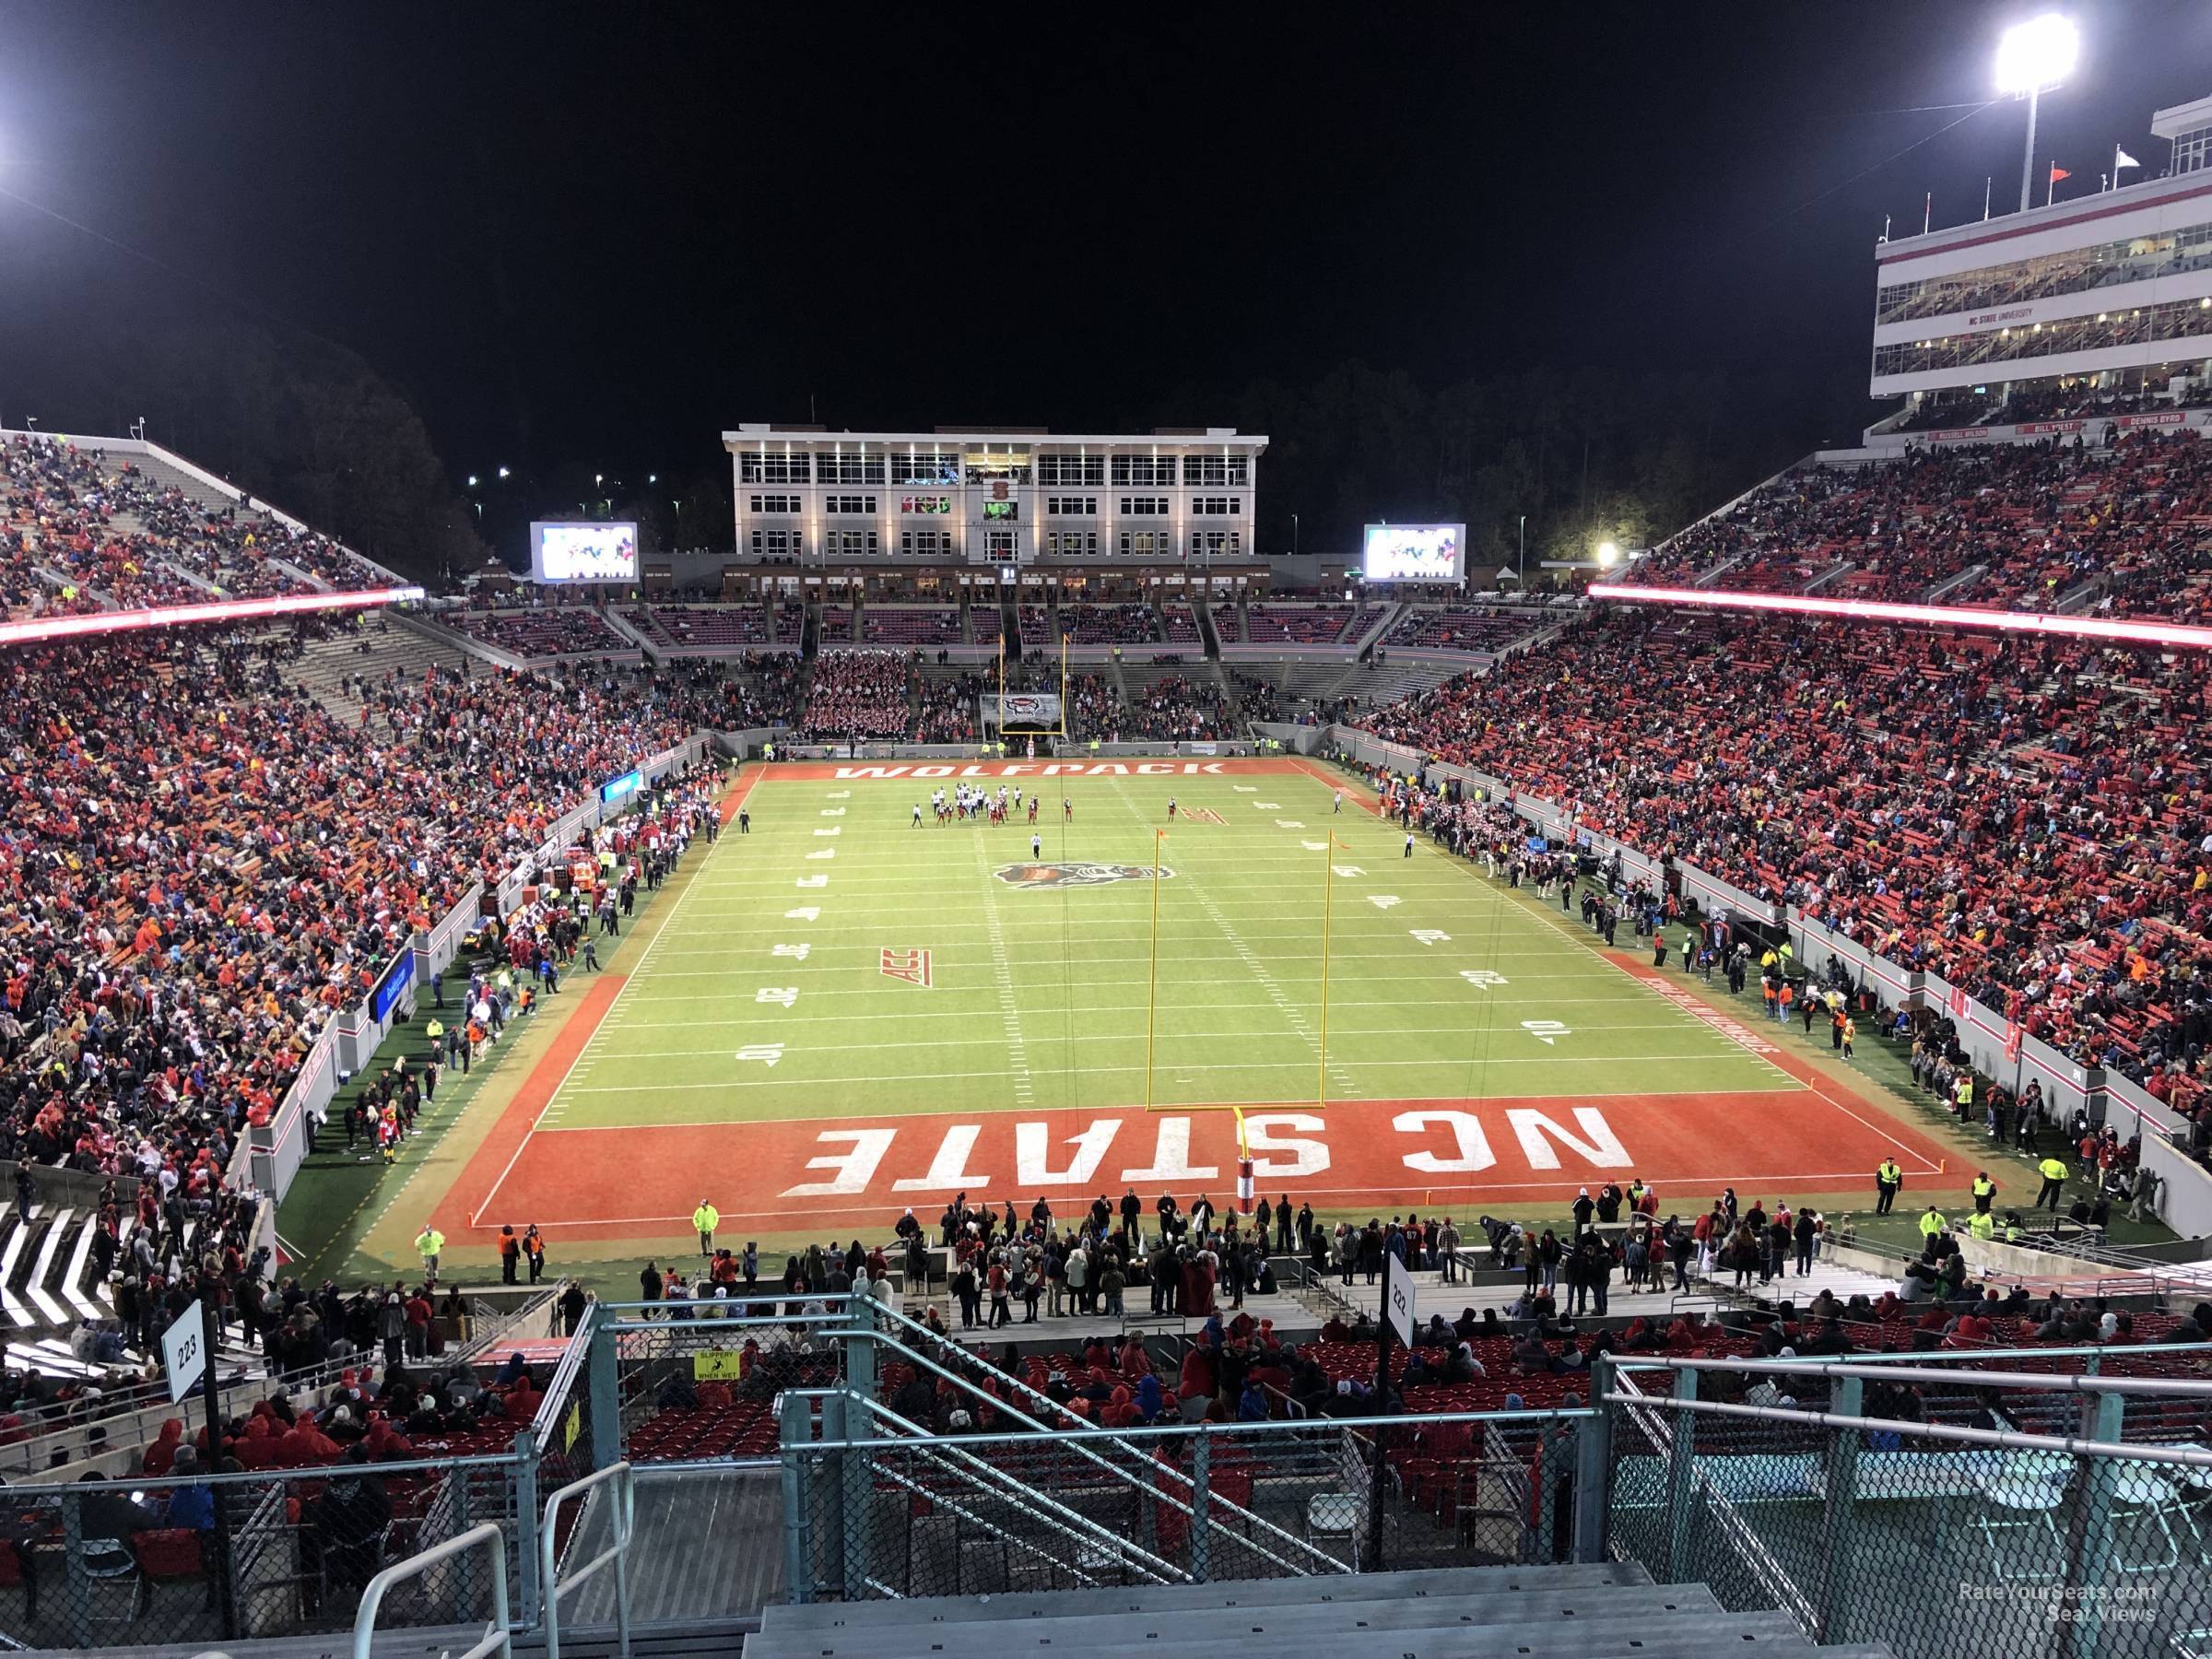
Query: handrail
[(2010, 1440), (560, 1384), (497, 1637), (1069, 1522), (626, 1509), (2041, 1381), (1206, 1520)]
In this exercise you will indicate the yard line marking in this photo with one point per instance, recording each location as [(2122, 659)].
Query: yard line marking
[(630, 978), (1002, 971), (1089, 1009), (1138, 1036), (1456, 1064)]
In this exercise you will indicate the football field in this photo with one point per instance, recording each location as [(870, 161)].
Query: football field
[(845, 1013)]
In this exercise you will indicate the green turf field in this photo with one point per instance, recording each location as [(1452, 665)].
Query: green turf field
[(1439, 985)]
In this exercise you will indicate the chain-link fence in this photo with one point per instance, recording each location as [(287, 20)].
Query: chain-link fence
[(704, 1385), (268, 1554), (884, 1512), (1975, 1510)]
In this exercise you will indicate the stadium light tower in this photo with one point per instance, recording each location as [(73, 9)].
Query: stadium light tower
[(2033, 58), (1608, 555)]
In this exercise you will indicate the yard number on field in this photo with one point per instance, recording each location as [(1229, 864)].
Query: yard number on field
[(1347, 871), (810, 912), (795, 951), (1482, 978), (785, 994), (768, 1053), (1429, 935), (1546, 1030), (1384, 900)]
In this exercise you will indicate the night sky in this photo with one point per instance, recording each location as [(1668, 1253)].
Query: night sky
[(603, 234)]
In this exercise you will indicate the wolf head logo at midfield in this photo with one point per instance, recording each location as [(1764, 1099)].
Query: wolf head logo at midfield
[(1072, 874)]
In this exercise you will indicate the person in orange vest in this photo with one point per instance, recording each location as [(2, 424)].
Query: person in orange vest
[(511, 1253)]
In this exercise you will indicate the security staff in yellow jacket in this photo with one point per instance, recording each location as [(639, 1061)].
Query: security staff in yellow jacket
[(2054, 1171), (1889, 1179), (1984, 1191)]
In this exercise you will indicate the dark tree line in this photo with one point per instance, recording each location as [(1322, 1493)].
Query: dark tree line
[(297, 421), (1586, 454)]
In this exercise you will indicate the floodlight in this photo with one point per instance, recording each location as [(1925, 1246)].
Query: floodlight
[(1608, 555), (2037, 54)]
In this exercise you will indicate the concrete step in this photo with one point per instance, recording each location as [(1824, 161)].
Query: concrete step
[(1236, 1593)]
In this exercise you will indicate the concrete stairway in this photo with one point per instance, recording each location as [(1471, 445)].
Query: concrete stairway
[(374, 650), (1605, 1610)]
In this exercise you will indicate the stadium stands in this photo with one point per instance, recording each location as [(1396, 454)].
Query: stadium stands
[(1108, 624), (911, 625), (1463, 628), (712, 627), (229, 930), (856, 694), (2125, 528), (1181, 626), (2024, 817), (946, 713), (1291, 624), (1172, 708), (1093, 707), (120, 535), (544, 630)]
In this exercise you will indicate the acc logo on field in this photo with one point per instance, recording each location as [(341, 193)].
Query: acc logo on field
[(1072, 874)]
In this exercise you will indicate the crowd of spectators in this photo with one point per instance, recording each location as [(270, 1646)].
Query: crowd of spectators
[(543, 630), (1174, 709), (1260, 698), (728, 627), (200, 866), (2039, 520), (947, 709), (1463, 626), (856, 694), (101, 526), (1108, 624), (2029, 818)]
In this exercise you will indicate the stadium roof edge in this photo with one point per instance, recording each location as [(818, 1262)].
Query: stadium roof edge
[(33, 630), (2119, 630)]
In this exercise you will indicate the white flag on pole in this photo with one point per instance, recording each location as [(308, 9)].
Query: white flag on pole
[(2122, 158)]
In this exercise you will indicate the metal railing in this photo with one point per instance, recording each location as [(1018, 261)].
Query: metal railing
[(1203, 1515), (497, 1637), (623, 1494), (1901, 1499)]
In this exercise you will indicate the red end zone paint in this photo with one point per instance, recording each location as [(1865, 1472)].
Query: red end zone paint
[(931, 771), (482, 1179), (736, 798), (1448, 1154)]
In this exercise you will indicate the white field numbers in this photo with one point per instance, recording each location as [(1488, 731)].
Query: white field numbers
[(1546, 1030), (1482, 978)]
